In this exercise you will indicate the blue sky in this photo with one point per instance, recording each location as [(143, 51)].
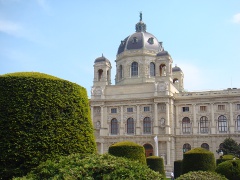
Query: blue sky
[(63, 38)]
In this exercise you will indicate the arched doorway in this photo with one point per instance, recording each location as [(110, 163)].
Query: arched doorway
[(148, 150)]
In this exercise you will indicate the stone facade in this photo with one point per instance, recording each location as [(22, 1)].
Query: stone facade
[(148, 101)]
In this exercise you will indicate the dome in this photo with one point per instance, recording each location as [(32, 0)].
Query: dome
[(140, 40), (101, 59), (176, 68)]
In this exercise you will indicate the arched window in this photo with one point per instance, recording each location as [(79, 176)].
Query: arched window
[(186, 125), (147, 125), (186, 147), (205, 146), (114, 126), (100, 72), (120, 72), (222, 124), (130, 126), (238, 123), (204, 124), (134, 69), (152, 69), (162, 70)]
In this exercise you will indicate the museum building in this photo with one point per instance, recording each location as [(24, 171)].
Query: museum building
[(149, 106)]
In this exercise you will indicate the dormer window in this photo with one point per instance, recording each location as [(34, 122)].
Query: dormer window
[(150, 40), (122, 43), (135, 40)]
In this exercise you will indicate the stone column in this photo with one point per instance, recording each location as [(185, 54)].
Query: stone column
[(138, 128), (177, 125), (231, 124), (194, 128), (168, 152), (92, 113), (121, 128), (213, 124), (167, 119), (155, 127)]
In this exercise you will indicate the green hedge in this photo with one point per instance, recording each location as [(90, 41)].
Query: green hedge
[(128, 150), (41, 117), (230, 169), (177, 168), (225, 158), (198, 159), (201, 175), (97, 167), (156, 163)]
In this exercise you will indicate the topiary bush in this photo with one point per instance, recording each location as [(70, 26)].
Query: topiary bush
[(156, 163), (41, 117), (225, 158), (201, 175), (97, 167), (198, 159), (230, 169), (177, 168), (128, 150)]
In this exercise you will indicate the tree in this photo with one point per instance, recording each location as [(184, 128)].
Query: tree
[(230, 146)]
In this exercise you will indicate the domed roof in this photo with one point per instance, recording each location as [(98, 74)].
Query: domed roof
[(140, 40), (176, 68), (101, 59)]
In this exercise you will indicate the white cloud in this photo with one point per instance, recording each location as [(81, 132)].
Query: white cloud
[(236, 18)]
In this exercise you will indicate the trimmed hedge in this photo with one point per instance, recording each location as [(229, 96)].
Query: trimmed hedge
[(230, 169), (177, 168), (225, 158), (156, 163), (201, 175), (41, 117), (97, 167), (198, 159), (128, 150)]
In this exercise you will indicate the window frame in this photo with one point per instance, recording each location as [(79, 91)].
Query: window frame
[(114, 126), (130, 126), (204, 125), (222, 124), (134, 69), (186, 125), (147, 125)]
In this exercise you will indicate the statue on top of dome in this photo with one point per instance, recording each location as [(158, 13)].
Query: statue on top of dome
[(140, 15)]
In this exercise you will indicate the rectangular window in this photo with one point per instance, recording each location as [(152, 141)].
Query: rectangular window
[(221, 107), (203, 108), (238, 106), (113, 110), (185, 109), (147, 108), (130, 109)]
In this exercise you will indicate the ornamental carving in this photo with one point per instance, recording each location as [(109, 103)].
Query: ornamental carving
[(97, 90)]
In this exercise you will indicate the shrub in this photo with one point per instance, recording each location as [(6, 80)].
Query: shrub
[(225, 158), (177, 168), (230, 169), (41, 117), (95, 167), (156, 163), (128, 150), (201, 175), (198, 159)]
